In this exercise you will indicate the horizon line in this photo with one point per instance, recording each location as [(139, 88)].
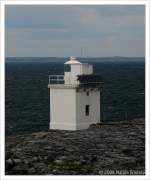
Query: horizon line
[(75, 56)]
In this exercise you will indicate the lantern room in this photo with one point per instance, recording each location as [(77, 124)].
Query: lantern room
[(73, 68)]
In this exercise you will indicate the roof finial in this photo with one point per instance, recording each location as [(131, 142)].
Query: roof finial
[(72, 58)]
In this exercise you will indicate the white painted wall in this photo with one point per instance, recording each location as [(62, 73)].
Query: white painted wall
[(62, 109), (87, 69), (76, 69), (93, 100), (67, 108)]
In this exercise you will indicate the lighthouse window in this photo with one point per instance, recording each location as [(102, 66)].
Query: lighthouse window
[(87, 93), (87, 110), (67, 68)]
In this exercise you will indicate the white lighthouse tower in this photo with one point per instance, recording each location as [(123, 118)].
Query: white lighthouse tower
[(74, 97)]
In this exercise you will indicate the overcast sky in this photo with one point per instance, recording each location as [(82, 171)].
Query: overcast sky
[(60, 31)]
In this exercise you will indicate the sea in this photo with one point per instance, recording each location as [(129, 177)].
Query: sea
[(27, 95)]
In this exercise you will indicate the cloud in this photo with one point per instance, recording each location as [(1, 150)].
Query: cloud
[(60, 25)]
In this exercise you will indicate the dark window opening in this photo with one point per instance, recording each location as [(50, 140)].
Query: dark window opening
[(67, 68), (87, 93), (87, 110)]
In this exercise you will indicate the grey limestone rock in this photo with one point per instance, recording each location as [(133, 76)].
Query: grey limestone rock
[(116, 147)]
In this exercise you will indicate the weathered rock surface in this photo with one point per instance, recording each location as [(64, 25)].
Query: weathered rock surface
[(100, 150)]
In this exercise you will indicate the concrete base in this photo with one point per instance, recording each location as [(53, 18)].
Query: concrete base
[(71, 127), (62, 126)]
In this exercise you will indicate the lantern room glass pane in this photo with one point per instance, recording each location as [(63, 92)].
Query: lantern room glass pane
[(67, 68)]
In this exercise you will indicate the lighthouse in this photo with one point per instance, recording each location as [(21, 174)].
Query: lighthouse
[(75, 97)]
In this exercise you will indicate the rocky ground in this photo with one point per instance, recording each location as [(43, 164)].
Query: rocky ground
[(106, 150)]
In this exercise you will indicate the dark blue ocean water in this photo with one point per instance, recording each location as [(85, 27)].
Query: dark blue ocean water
[(27, 95)]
